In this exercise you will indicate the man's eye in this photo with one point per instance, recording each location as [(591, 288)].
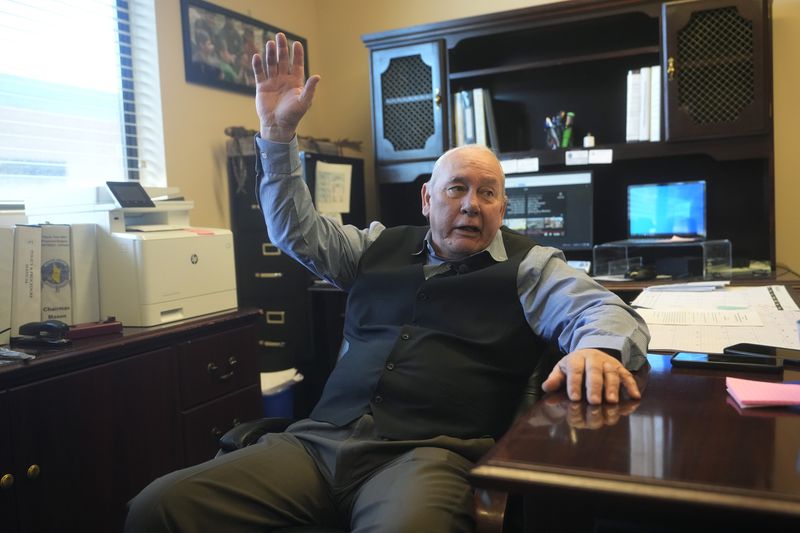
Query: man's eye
[(456, 189)]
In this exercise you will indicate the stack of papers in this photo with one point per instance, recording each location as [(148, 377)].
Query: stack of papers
[(709, 320), (749, 393)]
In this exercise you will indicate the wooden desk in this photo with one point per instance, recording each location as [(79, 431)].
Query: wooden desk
[(682, 454)]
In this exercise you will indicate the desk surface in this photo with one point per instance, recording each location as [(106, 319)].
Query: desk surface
[(684, 442)]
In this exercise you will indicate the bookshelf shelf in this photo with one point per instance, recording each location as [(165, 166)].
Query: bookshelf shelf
[(561, 61)]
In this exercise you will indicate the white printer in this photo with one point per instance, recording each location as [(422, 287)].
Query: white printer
[(154, 267)]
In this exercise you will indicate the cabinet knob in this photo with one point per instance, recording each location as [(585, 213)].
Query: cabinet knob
[(34, 471), (670, 68), (437, 97), (213, 370), (6, 482)]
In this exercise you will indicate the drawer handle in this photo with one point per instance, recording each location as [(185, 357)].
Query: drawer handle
[(214, 369), (272, 344), (33, 471), (275, 317), (269, 275), (268, 249)]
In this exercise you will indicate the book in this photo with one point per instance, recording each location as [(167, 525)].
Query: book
[(480, 116), (655, 103), (6, 269), (26, 282), (85, 284), (751, 393), (644, 102), (56, 273), (491, 125), (633, 106), (458, 119), (469, 117)]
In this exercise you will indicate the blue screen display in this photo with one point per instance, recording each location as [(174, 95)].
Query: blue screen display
[(667, 209)]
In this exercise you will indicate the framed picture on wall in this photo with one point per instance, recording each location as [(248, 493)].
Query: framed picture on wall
[(218, 45)]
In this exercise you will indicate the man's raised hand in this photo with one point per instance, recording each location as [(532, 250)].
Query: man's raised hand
[(282, 97)]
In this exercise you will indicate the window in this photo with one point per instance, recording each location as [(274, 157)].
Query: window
[(79, 95)]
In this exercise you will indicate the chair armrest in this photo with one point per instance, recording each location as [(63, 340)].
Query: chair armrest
[(247, 433)]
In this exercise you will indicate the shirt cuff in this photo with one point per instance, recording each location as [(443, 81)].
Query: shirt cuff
[(276, 157)]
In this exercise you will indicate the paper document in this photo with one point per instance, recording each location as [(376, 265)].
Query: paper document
[(750, 393), (693, 317), (332, 187), (711, 321)]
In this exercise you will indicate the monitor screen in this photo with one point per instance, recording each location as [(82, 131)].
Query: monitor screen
[(667, 209), (553, 209)]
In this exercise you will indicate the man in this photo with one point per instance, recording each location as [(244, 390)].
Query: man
[(444, 325)]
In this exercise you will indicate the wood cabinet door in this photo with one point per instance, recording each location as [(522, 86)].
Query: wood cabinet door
[(87, 442), (409, 102), (717, 68), (8, 474)]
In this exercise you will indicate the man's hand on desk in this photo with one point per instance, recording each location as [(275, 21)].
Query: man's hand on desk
[(600, 373)]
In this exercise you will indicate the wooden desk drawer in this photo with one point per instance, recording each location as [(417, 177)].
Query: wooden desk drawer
[(204, 425), (216, 365)]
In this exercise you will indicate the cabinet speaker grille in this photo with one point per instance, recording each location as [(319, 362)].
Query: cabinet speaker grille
[(715, 66), (407, 103)]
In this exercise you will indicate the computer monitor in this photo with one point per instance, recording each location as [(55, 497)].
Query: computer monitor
[(553, 209), (663, 210)]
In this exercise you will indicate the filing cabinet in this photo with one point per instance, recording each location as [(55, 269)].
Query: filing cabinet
[(266, 278)]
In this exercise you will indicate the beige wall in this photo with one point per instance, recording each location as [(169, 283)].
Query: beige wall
[(195, 117)]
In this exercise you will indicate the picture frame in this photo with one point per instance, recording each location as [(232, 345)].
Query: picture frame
[(218, 45)]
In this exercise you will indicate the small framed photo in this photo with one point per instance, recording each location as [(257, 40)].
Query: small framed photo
[(218, 45)]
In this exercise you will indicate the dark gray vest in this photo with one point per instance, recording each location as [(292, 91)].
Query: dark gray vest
[(449, 355)]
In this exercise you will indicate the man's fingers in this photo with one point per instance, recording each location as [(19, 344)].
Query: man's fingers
[(307, 95), (575, 379), (298, 61), (630, 385), (283, 53), (594, 384), (554, 380), (611, 382), (258, 69), (272, 59)]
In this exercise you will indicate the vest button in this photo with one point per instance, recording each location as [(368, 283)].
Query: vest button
[(422, 296), (405, 336), (378, 398), (389, 366)]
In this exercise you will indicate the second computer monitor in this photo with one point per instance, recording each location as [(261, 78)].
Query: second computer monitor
[(553, 209), (676, 208)]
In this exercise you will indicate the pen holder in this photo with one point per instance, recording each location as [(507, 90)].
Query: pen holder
[(558, 130)]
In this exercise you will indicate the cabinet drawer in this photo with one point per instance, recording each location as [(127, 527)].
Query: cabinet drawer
[(204, 425), (216, 365)]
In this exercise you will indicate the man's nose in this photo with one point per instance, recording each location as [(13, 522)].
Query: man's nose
[(469, 204)]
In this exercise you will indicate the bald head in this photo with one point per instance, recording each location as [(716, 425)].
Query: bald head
[(470, 152)]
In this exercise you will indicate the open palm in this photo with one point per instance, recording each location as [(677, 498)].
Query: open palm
[(282, 97)]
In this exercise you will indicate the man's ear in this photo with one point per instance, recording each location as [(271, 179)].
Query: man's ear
[(426, 199)]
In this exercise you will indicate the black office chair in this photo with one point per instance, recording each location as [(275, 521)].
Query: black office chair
[(490, 506)]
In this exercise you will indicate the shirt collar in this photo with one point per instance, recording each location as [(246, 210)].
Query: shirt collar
[(496, 249)]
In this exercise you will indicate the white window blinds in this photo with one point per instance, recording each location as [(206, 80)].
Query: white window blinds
[(79, 95)]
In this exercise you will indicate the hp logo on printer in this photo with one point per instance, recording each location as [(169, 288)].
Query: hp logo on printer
[(194, 259)]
